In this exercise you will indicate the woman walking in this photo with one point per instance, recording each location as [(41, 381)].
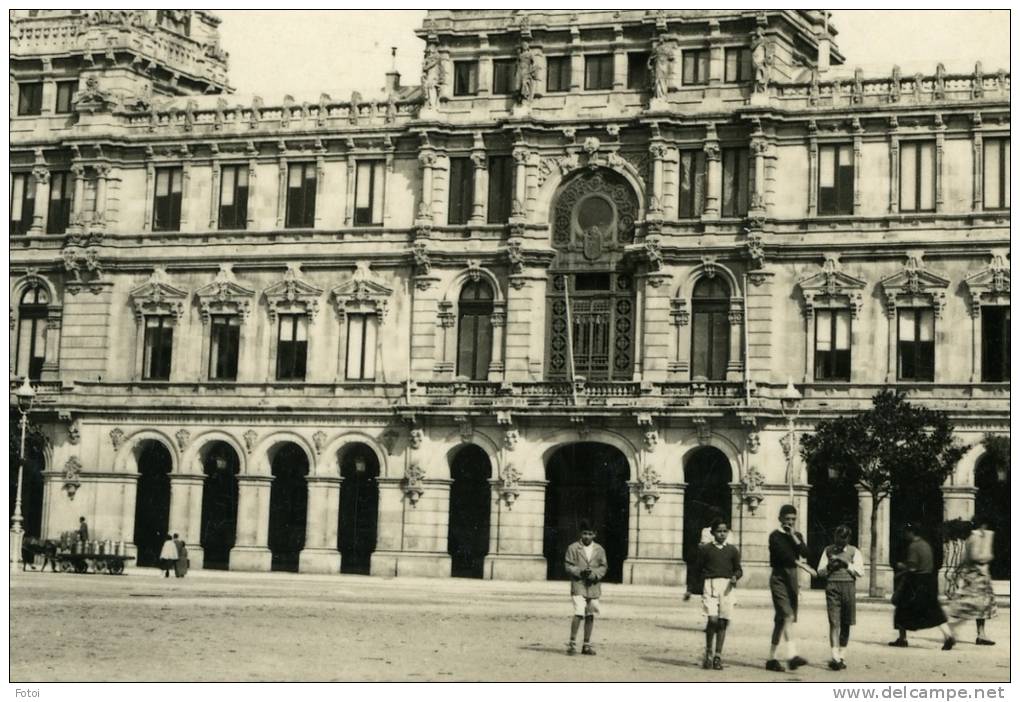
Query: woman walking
[(973, 597), (916, 597), (168, 556)]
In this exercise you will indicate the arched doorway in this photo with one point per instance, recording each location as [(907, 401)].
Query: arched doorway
[(359, 508), (152, 500), (707, 473), (470, 507), (921, 505), (587, 481), (831, 502), (219, 504), (992, 501), (288, 505)]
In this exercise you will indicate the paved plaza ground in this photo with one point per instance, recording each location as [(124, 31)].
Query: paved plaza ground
[(217, 626)]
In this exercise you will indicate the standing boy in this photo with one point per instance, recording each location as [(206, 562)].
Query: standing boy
[(720, 566), (787, 552), (586, 563), (841, 564)]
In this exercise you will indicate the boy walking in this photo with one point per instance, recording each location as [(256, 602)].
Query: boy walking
[(720, 566), (787, 552), (586, 563), (841, 564)]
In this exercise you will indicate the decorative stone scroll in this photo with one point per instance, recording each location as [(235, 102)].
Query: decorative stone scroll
[(157, 297), (990, 286), (915, 286), (751, 488), (224, 295), (832, 288), (648, 488), (293, 295)]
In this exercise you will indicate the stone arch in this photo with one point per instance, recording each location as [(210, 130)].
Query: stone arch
[(125, 460), (547, 445), (262, 453), (33, 280), (963, 474), (549, 190), (192, 457), (328, 465), (725, 445), (451, 292), (707, 270), (486, 444)]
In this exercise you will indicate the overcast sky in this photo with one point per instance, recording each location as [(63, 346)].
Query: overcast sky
[(304, 53)]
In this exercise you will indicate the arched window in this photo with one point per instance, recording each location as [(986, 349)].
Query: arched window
[(474, 336), (710, 336), (32, 333)]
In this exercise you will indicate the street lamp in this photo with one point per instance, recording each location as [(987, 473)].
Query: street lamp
[(789, 402), (25, 395)]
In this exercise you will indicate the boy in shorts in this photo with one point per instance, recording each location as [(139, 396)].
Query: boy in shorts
[(586, 564), (720, 566), (841, 564)]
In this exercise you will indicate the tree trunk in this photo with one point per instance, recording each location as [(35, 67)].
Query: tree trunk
[(873, 550)]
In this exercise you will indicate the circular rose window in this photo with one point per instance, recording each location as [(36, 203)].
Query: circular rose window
[(595, 211)]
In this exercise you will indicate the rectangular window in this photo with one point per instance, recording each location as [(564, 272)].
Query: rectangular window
[(996, 175), (465, 77), (234, 197), (31, 349), (166, 210), (29, 99), (66, 90), (159, 339), (835, 180), (368, 198), (557, 74), (58, 215), (293, 347), (598, 72), (224, 345), (22, 202), (917, 344), (736, 186), (301, 185), (637, 70), (504, 76), (832, 345), (738, 65), (695, 65), (462, 190), (692, 183), (995, 344), (917, 176), (501, 188), (362, 332)]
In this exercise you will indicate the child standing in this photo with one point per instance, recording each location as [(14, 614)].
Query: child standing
[(586, 563), (720, 566), (841, 564)]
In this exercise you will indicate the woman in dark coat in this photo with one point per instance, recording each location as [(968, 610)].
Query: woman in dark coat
[(181, 565), (917, 596)]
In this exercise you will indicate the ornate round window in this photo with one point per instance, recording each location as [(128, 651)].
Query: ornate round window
[(594, 212)]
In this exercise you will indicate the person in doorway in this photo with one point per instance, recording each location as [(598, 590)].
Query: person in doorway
[(720, 570), (586, 564), (181, 564), (916, 597), (168, 556), (83, 530), (787, 552), (973, 597), (841, 564)]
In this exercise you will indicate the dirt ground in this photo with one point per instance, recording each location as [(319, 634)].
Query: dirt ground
[(283, 627)]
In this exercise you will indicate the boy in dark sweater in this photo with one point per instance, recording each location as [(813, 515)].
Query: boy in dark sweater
[(719, 563), (787, 553)]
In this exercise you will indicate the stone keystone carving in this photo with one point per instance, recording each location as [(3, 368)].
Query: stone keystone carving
[(116, 438), (72, 476), (414, 483), (509, 489)]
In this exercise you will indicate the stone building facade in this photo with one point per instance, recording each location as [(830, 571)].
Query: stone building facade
[(568, 275)]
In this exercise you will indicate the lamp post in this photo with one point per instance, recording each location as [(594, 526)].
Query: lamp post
[(25, 395), (789, 402)]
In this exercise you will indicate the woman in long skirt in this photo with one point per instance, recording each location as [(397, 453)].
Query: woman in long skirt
[(973, 597), (168, 556), (181, 566), (916, 598)]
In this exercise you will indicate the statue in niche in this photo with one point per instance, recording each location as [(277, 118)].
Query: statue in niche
[(431, 76), (760, 60), (659, 63), (527, 73)]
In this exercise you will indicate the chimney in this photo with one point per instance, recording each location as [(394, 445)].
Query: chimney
[(824, 44), (392, 76)]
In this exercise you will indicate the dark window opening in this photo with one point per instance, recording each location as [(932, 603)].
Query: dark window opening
[(917, 176), (692, 183), (31, 342), (504, 76), (224, 345), (462, 190), (736, 172), (832, 345), (501, 188), (738, 65), (695, 67), (638, 76), (22, 202), (835, 180), (66, 91), (710, 333), (362, 335), (995, 344), (996, 174), (234, 197), (368, 199), (30, 99), (166, 210), (557, 74), (292, 350), (465, 77), (301, 186), (598, 72), (917, 344), (474, 331), (158, 344)]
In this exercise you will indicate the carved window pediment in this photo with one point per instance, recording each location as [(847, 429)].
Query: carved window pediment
[(224, 296), (361, 293), (832, 288), (990, 286), (915, 286), (157, 297), (293, 295)]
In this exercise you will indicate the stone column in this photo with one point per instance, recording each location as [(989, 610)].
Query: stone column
[(251, 551), (658, 152), (320, 187), (759, 147), (150, 193), (127, 513), (496, 361), (252, 172), (320, 554), (858, 158), (654, 542), (352, 175), (979, 165), (427, 159), (735, 365), (186, 513), (812, 193), (214, 195), (102, 181), (478, 158), (412, 536), (520, 155), (525, 325), (281, 193), (517, 533), (713, 173), (79, 197), (885, 573), (576, 60), (619, 61), (958, 501), (894, 172), (41, 177), (51, 363)]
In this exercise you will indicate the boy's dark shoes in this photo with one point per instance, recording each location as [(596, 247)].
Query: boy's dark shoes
[(717, 663), (984, 642), (571, 649), (774, 665), (948, 644), (796, 662), (899, 643), (587, 650), (837, 665), (707, 662)]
